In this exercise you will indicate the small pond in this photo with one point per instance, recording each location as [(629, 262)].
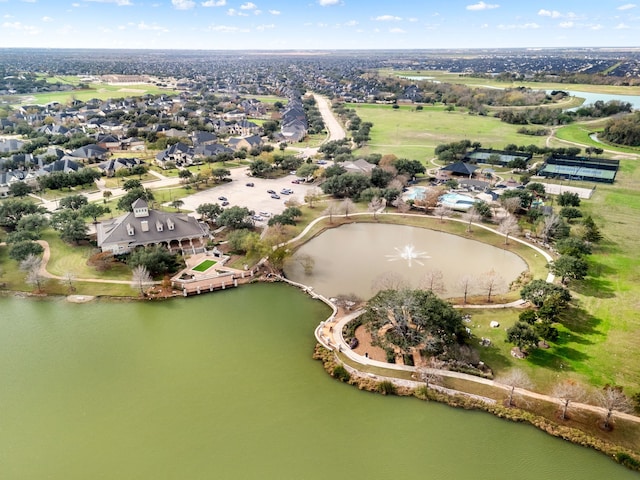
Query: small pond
[(351, 258)]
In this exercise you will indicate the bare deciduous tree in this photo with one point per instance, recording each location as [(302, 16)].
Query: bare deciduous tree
[(490, 281), (69, 277), (465, 283), (471, 216), (508, 226), (612, 398), (347, 206), (32, 265), (402, 206), (376, 204), (429, 373), (549, 225), (515, 379), (567, 392), (140, 278), (442, 211), (511, 205), (312, 196), (331, 210), (292, 202), (433, 280)]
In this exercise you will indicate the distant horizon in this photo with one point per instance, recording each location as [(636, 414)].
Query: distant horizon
[(329, 50), (316, 25)]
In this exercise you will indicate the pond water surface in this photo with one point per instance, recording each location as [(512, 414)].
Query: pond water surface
[(223, 386), (350, 259)]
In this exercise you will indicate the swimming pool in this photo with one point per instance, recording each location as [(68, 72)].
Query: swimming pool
[(416, 193), (457, 201)]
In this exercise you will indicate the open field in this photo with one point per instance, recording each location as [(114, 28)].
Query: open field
[(101, 91), (450, 77), (410, 133)]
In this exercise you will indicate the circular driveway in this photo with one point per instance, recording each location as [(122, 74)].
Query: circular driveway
[(254, 198)]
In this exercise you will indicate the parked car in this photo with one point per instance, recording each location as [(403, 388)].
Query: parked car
[(222, 199), (295, 181), (225, 203), (257, 218), (275, 195), (250, 184), (265, 214), (271, 192)]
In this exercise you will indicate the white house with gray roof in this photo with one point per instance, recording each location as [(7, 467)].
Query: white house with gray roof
[(144, 226)]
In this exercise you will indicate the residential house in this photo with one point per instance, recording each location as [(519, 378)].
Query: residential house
[(246, 143), (10, 145), (359, 166), (244, 128), (180, 154), (210, 150), (110, 167), (90, 153), (203, 138)]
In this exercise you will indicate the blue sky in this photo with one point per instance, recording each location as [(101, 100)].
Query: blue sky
[(318, 24)]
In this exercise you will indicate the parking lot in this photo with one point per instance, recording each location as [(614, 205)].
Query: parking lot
[(254, 198)]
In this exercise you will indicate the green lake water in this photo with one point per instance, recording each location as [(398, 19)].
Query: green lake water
[(223, 386)]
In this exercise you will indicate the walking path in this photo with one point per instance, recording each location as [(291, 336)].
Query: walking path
[(329, 334)]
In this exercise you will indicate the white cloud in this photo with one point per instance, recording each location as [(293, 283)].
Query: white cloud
[(327, 3), (387, 18), (549, 13), (120, 3), (412, 19), (183, 4), (225, 28), (274, 12), (232, 12), (262, 28), (566, 24), (351, 23), (627, 6), (47, 19), (29, 1), (153, 28), (597, 26), (522, 26), (396, 30), (622, 26), (482, 6), (214, 3), (28, 29), (248, 6)]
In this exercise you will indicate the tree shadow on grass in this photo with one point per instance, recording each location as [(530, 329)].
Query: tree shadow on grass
[(565, 338), (558, 359), (580, 322), (594, 287), (598, 269)]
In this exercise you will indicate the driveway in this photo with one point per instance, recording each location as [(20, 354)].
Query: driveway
[(254, 198)]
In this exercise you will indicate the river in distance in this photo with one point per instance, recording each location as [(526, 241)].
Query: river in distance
[(223, 386)]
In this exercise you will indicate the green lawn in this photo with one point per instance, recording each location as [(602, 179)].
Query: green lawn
[(204, 266), (96, 90), (409, 133)]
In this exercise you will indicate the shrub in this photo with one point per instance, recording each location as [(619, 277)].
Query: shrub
[(341, 374), (387, 388), (628, 461), (391, 355)]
